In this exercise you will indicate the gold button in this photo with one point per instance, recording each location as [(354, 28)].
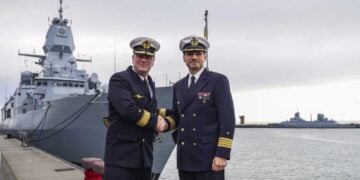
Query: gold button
[(194, 144), (182, 129), (194, 115), (194, 129), (139, 110), (143, 140), (182, 115), (227, 133), (182, 143), (178, 102)]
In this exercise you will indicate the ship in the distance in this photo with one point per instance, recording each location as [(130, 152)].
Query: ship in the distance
[(320, 122), (61, 108)]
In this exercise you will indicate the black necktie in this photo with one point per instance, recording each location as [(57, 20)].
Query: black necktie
[(192, 83), (145, 82)]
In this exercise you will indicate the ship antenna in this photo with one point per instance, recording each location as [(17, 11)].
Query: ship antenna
[(5, 91), (115, 54), (60, 11), (206, 36)]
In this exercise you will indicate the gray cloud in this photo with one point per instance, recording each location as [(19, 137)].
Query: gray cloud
[(259, 44)]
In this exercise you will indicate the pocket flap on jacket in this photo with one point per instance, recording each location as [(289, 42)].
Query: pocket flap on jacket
[(208, 139)]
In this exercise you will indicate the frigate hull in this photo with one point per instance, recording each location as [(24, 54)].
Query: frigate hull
[(70, 128), (81, 132)]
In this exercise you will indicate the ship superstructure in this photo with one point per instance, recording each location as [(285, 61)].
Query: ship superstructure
[(58, 78)]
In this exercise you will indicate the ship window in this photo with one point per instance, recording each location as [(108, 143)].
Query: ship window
[(65, 84), (12, 105), (8, 113), (76, 85), (40, 83), (24, 111), (81, 85), (70, 84)]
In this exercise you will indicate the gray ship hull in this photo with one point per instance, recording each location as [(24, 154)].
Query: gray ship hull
[(309, 124), (73, 128), (81, 135), (312, 125), (70, 128)]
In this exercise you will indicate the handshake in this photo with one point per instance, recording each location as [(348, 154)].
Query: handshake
[(161, 124)]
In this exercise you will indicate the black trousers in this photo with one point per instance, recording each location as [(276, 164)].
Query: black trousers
[(202, 175), (123, 173)]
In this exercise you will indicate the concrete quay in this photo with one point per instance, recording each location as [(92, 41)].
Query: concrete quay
[(31, 163)]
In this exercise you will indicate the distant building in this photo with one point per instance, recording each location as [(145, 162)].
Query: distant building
[(242, 119)]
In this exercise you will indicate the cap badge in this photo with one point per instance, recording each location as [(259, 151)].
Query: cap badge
[(146, 45), (194, 42)]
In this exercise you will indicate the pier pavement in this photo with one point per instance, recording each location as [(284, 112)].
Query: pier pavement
[(31, 163)]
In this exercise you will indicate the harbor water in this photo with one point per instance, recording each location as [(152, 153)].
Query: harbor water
[(299, 154)]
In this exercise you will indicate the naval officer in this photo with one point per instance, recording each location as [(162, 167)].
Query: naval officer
[(133, 116), (203, 112)]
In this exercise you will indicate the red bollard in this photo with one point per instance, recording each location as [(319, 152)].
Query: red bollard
[(92, 175)]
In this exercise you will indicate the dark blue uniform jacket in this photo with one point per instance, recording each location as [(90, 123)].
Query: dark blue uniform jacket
[(205, 121), (132, 117)]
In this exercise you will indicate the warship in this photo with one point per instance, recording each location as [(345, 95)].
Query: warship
[(63, 109), (320, 122)]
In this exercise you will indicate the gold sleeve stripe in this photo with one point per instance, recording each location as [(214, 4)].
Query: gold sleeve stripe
[(162, 112), (172, 122), (106, 122), (225, 142), (144, 119)]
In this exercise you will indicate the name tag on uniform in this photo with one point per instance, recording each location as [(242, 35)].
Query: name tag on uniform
[(204, 96)]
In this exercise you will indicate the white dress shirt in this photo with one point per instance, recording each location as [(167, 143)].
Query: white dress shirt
[(197, 75)]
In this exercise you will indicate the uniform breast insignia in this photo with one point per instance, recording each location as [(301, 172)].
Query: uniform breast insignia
[(138, 96), (204, 96)]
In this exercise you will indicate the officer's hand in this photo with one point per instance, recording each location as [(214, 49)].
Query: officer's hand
[(219, 164), (161, 124)]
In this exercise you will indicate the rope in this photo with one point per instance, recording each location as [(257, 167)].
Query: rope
[(42, 119), (76, 113)]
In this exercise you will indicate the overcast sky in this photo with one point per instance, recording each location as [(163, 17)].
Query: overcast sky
[(279, 55)]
